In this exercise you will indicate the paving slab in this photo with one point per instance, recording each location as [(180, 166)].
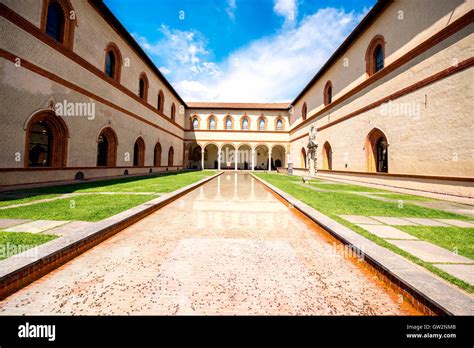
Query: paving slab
[(457, 223), (429, 252), (394, 221), (5, 223), (358, 219), (36, 226), (388, 232), (463, 272), (70, 228), (426, 222)]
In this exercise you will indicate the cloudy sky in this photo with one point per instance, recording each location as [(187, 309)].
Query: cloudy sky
[(239, 50)]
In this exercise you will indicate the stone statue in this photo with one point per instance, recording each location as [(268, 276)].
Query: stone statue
[(312, 150)]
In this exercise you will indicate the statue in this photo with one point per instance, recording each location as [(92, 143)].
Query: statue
[(312, 150)]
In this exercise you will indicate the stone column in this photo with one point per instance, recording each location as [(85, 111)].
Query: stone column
[(202, 159), (236, 158), (269, 160), (219, 155), (253, 160)]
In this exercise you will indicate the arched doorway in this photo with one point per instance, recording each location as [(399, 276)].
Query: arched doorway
[(139, 153), (327, 156), (244, 157), (157, 155), (194, 156), (377, 151), (107, 148), (228, 158), (171, 157), (278, 157), (211, 156), (261, 157), (303, 162), (46, 141)]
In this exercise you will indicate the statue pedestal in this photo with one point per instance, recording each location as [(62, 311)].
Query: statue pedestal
[(312, 171)]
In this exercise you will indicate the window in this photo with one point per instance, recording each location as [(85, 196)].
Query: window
[(143, 87), (327, 156), (303, 158), (170, 157), (161, 101), (375, 55), (46, 141), (139, 153), (261, 125), (173, 112), (328, 93), (55, 21), (58, 21), (212, 123), (378, 58), (304, 111), (107, 148), (113, 61), (376, 147), (279, 125), (195, 123), (245, 123), (228, 123)]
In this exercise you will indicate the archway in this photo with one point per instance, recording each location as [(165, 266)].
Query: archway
[(157, 155), (107, 148), (46, 141), (139, 153), (193, 159), (261, 157), (376, 147), (211, 156), (278, 157), (244, 157), (327, 156), (303, 158), (171, 157), (228, 156)]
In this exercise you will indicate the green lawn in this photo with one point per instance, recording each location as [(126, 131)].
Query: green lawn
[(450, 238), (346, 187), (11, 199), (15, 242), (333, 204), (95, 207), (404, 197)]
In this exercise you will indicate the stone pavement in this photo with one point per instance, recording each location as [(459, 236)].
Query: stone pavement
[(185, 259), (447, 260)]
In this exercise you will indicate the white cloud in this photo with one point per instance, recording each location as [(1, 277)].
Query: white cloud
[(287, 9), (271, 69), (230, 9)]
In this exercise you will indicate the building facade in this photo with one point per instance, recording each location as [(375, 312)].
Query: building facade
[(393, 105)]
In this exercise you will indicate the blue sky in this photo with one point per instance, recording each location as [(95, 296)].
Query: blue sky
[(239, 50)]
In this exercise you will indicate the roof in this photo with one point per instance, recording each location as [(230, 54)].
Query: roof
[(378, 8), (264, 106), (115, 23)]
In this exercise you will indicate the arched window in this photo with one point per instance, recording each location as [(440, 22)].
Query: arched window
[(107, 148), (375, 55), (279, 125), (113, 61), (170, 157), (228, 123), (195, 122), (245, 123), (262, 125), (327, 156), (303, 158), (161, 101), (173, 112), (46, 141), (328, 93), (376, 147), (304, 111), (139, 153), (58, 21), (157, 155), (143, 87), (212, 123)]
